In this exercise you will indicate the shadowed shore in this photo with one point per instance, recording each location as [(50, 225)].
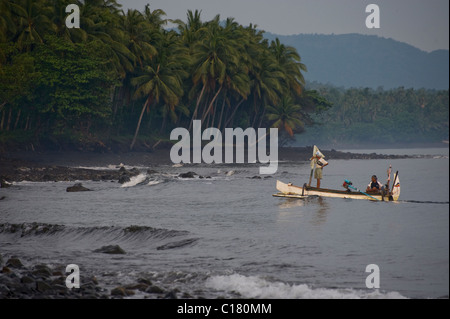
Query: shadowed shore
[(71, 166)]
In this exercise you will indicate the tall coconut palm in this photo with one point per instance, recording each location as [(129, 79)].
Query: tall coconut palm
[(7, 25), (162, 79), (216, 52), (33, 22), (155, 17), (101, 20), (138, 35), (289, 61), (285, 116), (59, 20)]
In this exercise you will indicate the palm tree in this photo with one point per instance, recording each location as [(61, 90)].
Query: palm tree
[(138, 36), (33, 22), (155, 17), (101, 21), (215, 55), (267, 82), (59, 20), (289, 62), (162, 79), (285, 116), (7, 25)]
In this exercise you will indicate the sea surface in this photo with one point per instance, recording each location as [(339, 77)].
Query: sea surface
[(225, 235)]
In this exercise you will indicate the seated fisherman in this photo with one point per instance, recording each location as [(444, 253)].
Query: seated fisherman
[(374, 185)]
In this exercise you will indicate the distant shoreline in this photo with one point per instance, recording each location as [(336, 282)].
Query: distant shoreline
[(72, 166)]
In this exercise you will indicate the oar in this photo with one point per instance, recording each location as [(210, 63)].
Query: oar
[(354, 188)]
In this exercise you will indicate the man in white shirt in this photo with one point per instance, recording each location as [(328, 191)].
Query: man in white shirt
[(320, 164)]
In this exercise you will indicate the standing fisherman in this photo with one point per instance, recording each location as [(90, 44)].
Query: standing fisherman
[(320, 163)]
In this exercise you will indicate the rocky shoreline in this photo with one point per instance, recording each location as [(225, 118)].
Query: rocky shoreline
[(19, 280), (68, 166)]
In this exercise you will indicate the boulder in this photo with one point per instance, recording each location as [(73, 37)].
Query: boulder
[(124, 179), (154, 290), (111, 249), (14, 263), (121, 291), (187, 175), (42, 286), (4, 183), (42, 271), (78, 187)]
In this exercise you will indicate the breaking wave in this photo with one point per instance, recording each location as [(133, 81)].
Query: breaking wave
[(165, 238), (259, 288)]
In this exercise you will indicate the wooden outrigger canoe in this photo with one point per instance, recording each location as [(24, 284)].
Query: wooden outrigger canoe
[(292, 191)]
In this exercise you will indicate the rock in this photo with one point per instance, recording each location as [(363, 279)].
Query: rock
[(1, 260), (27, 280), (151, 171), (144, 281), (111, 249), (5, 270), (154, 290), (14, 263), (138, 286), (171, 295), (4, 183), (78, 187), (42, 271), (42, 286), (121, 291), (124, 179), (187, 175)]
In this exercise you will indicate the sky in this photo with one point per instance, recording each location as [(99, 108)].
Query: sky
[(420, 23)]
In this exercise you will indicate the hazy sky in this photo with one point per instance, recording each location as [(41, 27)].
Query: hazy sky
[(421, 23)]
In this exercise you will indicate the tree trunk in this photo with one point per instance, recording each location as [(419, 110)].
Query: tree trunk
[(3, 120), (262, 117), (211, 104), (27, 122), (17, 119), (139, 123), (8, 124), (232, 114), (221, 114), (194, 115)]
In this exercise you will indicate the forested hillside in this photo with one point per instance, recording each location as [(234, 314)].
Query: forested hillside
[(359, 61)]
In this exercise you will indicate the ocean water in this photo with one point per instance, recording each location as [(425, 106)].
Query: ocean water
[(225, 235)]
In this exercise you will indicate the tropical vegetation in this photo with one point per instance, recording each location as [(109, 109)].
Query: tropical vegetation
[(126, 78), (377, 116)]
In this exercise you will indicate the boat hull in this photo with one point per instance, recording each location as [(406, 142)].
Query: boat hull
[(289, 190)]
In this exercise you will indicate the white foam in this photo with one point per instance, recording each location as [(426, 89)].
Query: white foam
[(153, 183), (135, 180), (256, 287)]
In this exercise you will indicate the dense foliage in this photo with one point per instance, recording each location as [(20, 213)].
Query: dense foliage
[(124, 78), (366, 116)]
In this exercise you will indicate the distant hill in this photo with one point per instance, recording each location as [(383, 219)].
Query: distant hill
[(355, 60)]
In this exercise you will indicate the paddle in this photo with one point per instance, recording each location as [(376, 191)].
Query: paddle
[(349, 184)]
